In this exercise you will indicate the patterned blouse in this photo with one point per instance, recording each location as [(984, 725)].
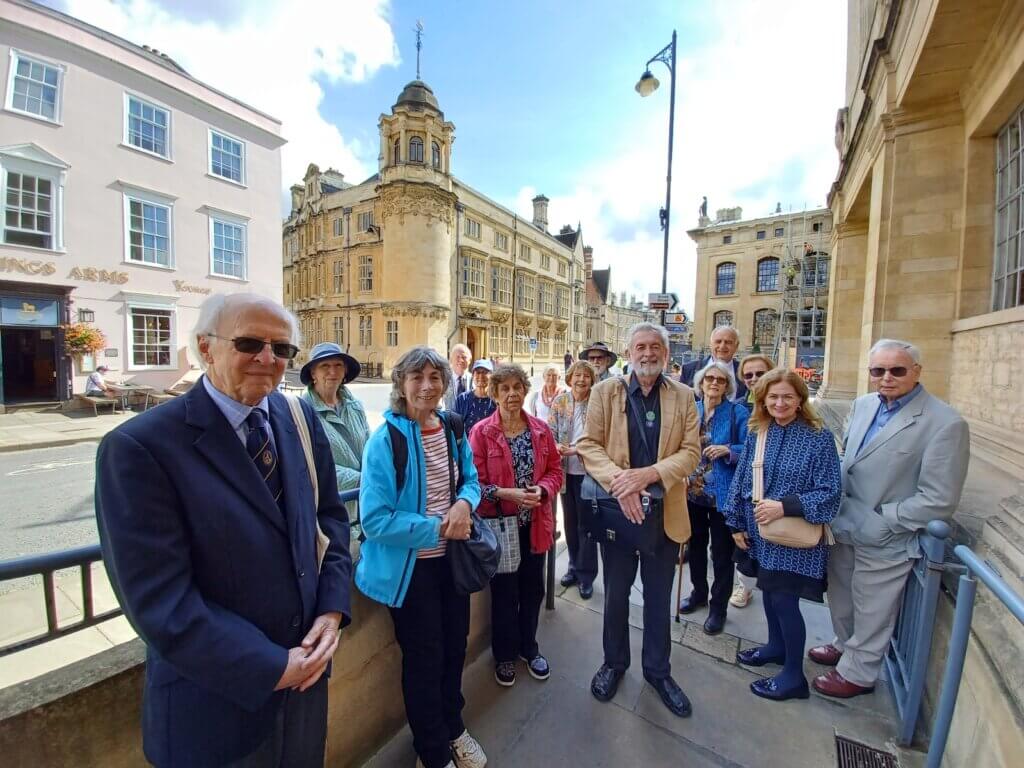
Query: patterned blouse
[(801, 469), (521, 448)]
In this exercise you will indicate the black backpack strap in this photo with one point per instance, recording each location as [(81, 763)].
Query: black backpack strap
[(399, 454), (453, 425)]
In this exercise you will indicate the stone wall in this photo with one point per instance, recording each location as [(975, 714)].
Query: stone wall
[(88, 714)]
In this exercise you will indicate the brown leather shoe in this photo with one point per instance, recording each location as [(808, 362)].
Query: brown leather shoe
[(828, 655), (835, 685)]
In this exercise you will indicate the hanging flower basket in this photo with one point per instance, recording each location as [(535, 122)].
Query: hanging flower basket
[(83, 339)]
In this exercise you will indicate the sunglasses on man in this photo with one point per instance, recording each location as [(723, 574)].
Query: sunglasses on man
[(250, 346), (898, 371)]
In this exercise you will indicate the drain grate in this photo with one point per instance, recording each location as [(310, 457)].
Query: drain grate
[(853, 754)]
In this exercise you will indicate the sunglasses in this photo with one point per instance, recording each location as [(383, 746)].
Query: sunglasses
[(898, 371), (753, 375), (716, 380), (250, 346)]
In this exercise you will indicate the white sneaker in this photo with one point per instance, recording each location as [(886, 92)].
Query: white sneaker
[(467, 752), (741, 597)]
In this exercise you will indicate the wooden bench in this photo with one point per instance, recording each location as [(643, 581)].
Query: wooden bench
[(96, 402), (156, 398)]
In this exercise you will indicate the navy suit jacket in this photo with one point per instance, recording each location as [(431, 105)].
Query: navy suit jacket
[(691, 368), (210, 573)]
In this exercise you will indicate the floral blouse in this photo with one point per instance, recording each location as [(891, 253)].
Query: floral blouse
[(521, 447)]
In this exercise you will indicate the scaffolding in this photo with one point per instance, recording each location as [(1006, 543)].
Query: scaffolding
[(800, 329)]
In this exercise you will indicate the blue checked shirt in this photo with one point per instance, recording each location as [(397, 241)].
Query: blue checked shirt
[(236, 413), (885, 413)]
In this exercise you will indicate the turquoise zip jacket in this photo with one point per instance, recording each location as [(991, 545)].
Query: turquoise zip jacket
[(347, 432), (395, 522)]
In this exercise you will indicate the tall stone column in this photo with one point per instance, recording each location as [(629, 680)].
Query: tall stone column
[(845, 310)]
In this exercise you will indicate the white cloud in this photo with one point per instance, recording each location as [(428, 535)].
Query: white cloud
[(271, 55), (755, 110)]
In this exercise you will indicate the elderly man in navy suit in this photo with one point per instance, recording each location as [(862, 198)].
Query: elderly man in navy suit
[(725, 341), (209, 524)]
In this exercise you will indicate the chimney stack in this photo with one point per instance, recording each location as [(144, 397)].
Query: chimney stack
[(540, 213), (588, 261)]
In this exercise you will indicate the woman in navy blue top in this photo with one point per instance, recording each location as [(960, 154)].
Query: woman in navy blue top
[(723, 430), (475, 405), (801, 479)]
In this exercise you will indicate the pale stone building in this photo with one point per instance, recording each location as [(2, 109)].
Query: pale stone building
[(413, 255), (751, 273), (927, 246), (610, 314), (131, 191)]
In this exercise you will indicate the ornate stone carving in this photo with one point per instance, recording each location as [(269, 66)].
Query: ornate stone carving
[(402, 199), (411, 309), (500, 317), (543, 323), (523, 321)]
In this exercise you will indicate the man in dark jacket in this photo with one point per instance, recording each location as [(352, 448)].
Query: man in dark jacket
[(725, 341)]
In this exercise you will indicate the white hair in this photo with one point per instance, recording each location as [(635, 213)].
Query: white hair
[(646, 327), (905, 346), (550, 367), (460, 348), (724, 368), (727, 329), (217, 306)]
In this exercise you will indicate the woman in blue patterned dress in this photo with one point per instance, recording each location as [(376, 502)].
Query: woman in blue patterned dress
[(801, 479)]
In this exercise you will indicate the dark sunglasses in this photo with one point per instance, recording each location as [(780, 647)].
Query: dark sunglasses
[(716, 380), (753, 375), (898, 371), (250, 346)]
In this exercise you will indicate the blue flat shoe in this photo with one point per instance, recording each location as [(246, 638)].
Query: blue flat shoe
[(753, 657), (767, 688)]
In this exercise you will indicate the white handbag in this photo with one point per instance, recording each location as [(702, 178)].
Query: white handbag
[(322, 542)]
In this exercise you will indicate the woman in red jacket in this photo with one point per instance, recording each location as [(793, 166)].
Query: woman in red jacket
[(520, 476)]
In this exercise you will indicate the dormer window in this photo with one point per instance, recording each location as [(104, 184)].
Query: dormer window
[(415, 150)]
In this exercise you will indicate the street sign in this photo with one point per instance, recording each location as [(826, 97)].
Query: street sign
[(675, 318), (661, 301), (533, 344), (675, 327)]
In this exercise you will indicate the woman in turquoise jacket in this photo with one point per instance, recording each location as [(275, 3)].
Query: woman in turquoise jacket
[(418, 488), (342, 416)]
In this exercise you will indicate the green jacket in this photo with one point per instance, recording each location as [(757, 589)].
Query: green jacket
[(347, 432)]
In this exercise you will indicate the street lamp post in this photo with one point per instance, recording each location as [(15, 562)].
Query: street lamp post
[(647, 85)]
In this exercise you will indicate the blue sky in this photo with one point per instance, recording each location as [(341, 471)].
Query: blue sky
[(541, 94)]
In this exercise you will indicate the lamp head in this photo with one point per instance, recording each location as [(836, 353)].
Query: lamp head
[(647, 84)]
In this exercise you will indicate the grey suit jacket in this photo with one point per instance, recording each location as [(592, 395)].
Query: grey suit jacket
[(449, 396), (911, 473)]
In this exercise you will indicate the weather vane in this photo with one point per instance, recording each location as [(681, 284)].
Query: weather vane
[(419, 45)]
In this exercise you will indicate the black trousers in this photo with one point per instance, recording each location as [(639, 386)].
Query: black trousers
[(431, 628), (656, 573), (708, 524), (515, 605), (582, 551)]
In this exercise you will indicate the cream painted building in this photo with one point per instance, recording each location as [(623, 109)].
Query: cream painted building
[(927, 247), (131, 191), (752, 272), (413, 255)]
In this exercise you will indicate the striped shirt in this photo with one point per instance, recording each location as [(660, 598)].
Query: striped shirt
[(439, 500)]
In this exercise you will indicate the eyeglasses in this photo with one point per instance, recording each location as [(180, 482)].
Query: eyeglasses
[(250, 346), (753, 375), (898, 371), (716, 380), (596, 358)]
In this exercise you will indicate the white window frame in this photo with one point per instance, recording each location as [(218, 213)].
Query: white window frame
[(472, 228), (153, 303), (337, 227), (473, 277), (29, 160), (391, 333), (151, 198), (366, 273), (501, 241), (58, 106), (339, 330), (125, 140), (211, 132), (234, 221), (545, 261), (366, 331), (364, 220)]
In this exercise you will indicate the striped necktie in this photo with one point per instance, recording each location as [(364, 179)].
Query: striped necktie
[(261, 451)]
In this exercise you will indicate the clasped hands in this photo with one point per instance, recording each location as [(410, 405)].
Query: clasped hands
[(627, 486), (567, 450), (307, 662), (528, 498), (456, 523), (716, 451)]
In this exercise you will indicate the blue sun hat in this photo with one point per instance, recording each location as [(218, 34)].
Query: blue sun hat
[(325, 351)]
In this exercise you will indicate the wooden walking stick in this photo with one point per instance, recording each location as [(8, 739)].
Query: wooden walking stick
[(679, 582)]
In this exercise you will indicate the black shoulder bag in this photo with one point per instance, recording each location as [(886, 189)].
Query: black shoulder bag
[(606, 523), (474, 560)]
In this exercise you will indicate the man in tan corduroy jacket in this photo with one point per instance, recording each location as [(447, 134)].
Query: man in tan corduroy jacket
[(621, 413)]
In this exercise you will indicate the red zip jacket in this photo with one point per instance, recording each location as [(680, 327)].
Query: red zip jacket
[(493, 461)]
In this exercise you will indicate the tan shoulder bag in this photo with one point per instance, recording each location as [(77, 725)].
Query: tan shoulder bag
[(322, 542), (793, 532)]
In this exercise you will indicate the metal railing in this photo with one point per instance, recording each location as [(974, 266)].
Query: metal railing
[(45, 566), (910, 647), (973, 568)]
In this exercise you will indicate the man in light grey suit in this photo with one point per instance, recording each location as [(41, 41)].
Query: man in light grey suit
[(462, 378), (906, 455)]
